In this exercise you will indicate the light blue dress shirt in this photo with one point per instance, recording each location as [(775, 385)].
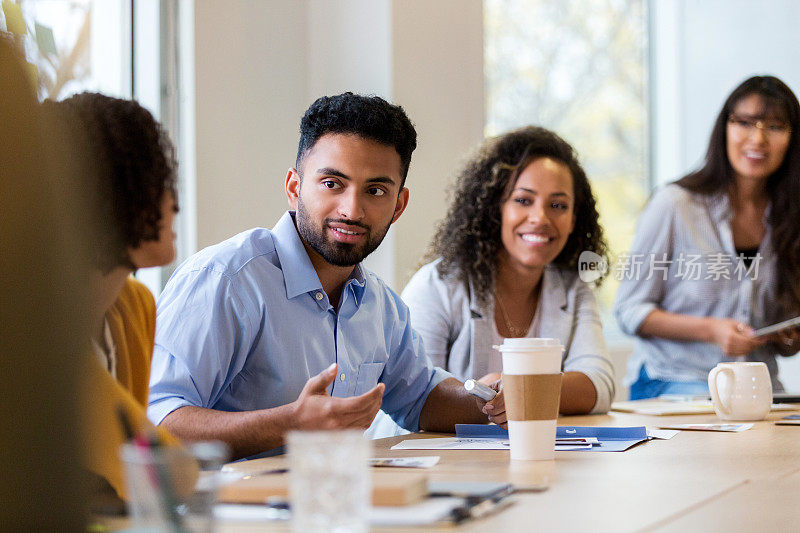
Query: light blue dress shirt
[(243, 325)]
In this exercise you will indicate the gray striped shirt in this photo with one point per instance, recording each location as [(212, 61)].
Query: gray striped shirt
[(683, 260)]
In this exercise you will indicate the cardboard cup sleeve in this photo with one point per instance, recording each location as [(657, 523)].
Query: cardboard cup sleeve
[(532, 396)]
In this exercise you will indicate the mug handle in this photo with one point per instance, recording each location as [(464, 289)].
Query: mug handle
[(712, 387)]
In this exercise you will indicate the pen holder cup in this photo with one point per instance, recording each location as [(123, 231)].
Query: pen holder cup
[(171, 488)]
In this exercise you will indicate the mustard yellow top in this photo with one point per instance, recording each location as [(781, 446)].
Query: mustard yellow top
[(132, 320)]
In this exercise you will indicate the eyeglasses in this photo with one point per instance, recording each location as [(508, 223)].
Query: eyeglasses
[(748, 126)]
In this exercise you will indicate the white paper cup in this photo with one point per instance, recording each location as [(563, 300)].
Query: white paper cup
[(532, 388)]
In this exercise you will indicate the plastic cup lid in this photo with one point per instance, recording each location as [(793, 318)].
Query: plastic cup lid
[(518, 344)]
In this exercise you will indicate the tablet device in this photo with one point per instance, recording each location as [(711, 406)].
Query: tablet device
[(786, 397), (780, 326)]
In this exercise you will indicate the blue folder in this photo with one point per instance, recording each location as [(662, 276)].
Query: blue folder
[(611, 439)]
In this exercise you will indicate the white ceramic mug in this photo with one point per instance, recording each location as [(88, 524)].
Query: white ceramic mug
[(740, 391)]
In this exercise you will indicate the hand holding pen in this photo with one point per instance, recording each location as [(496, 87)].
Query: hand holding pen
[(494, 406)]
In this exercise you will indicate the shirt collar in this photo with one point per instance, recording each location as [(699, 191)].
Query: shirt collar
[(719, 206), (299, 275), (357, 283), (721, 211), (553, 288)]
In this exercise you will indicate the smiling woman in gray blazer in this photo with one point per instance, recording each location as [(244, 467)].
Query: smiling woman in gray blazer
[(506, 265)]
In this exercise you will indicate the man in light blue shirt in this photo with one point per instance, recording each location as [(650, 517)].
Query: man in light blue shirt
[(274, 330)]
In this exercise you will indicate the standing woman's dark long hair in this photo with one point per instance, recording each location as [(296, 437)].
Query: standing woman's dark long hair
[(783, 186)]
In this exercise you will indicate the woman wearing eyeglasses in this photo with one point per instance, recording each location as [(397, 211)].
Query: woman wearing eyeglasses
[(717, 253)]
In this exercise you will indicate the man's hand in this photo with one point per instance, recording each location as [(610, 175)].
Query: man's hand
[(316, 409), (733, 337), (495, 409), (250, 432)]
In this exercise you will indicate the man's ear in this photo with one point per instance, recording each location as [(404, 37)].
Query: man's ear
[(402, 202), (292, 186)]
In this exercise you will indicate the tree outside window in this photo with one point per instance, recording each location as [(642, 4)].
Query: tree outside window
[(579, 68)]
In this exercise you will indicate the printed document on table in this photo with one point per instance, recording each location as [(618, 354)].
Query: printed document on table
[(405, 462), (609, 439), (456, 443), (734, 428)]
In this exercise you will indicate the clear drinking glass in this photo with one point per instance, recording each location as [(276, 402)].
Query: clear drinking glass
[(330, 487)]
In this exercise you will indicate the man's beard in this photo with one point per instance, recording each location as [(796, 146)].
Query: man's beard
[(336, 253)]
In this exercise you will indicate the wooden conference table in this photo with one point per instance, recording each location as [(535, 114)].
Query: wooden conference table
[(696, 481)]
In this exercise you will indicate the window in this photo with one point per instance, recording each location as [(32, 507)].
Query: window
[(120, 48), (579, 68), (74, 45)]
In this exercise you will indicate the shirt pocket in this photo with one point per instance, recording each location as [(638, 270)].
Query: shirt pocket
[(368, 376)]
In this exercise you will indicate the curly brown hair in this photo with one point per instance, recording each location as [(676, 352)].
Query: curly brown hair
[(135, 166), (468, 239)]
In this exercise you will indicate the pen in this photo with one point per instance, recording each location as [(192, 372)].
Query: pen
[(480, 506), (265, 472)]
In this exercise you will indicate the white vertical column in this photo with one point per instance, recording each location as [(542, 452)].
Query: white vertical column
[(350, 49), (147, 89), (250, 79), (110, 49), (437, 76), (666, 50)]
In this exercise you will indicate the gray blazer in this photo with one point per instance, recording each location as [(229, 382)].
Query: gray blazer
[(458, 333)]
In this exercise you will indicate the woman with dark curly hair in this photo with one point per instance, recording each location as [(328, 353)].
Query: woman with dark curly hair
[(506, 265), (133, 191), (730, 236)]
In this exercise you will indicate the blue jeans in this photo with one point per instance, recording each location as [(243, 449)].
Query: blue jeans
[(644, 387)]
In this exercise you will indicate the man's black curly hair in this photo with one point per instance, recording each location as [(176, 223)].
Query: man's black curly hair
[(134, 164), (468, 239), (370, 117)]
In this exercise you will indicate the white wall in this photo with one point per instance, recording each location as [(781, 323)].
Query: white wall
[(250, 91), (702, 50), (353, 53), (438, 66), (259, 64)]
